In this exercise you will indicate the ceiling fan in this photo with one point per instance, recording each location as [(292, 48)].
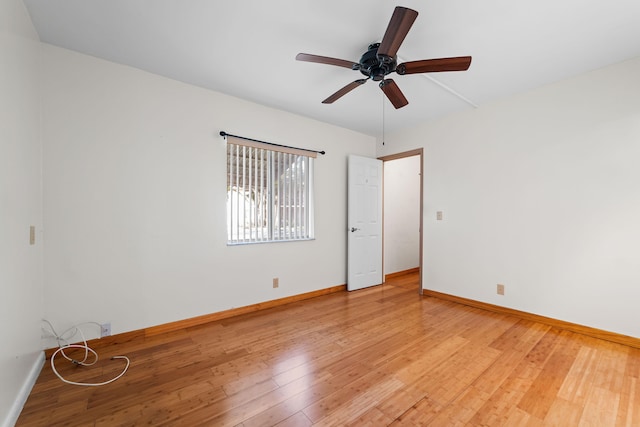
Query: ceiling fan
[(380, 60)]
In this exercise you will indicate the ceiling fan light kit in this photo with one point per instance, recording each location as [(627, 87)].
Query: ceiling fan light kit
[(380, 60)]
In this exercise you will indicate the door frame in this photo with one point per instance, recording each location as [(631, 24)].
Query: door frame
[(417, 152)]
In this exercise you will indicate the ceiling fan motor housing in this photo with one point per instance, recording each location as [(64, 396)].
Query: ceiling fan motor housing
[(376, 66)]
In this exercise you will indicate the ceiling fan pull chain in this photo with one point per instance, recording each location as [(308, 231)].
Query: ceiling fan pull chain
[(383, 118)]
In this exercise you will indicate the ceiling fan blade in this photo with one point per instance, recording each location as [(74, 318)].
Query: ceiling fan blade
[(400, 24), (460, 63), (326, 60), (348, 88), (393, 92)]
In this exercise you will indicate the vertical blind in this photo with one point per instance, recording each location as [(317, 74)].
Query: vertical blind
[(269, 192)]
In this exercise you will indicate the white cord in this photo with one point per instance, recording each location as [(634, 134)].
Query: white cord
[(62, 340)]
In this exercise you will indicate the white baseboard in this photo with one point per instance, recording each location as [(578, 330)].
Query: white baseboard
[(25, 390)]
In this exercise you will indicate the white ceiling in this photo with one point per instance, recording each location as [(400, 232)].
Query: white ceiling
[(247, 48)]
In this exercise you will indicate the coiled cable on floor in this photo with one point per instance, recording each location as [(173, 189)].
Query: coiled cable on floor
[(63, 344)]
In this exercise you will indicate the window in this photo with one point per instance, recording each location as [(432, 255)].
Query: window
[(269, 193)]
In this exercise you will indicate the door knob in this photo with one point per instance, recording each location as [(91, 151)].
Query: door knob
[(354, 229)]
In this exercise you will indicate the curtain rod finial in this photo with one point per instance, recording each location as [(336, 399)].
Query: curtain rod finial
[(223, 133)]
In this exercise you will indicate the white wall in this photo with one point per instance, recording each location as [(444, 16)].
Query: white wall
[(135, 187), (401, 214), (20, 206), (540, 192)]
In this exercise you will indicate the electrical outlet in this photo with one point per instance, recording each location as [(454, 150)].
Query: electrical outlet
[(439, 215), (500, 289), (276, 282), (105, 330)]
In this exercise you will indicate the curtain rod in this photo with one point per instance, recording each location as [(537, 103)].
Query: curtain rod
[(223, 133)]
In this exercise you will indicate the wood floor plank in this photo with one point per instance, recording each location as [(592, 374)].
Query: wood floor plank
[(419, 414), (281, 412), (601, 407), (357, 401), (400, 402), (296, 420), (373, 418), (563, 412), (544, 389), (379, 356), (578, 381), (629, 411)]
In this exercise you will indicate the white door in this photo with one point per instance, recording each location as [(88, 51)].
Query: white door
[(364, 244)]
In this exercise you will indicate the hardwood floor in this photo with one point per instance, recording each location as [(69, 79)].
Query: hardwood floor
[(375, 357)]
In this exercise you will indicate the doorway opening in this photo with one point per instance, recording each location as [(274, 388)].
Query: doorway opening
[(403, 216)]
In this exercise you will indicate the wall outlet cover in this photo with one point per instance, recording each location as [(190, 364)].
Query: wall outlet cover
[(105, 330)]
